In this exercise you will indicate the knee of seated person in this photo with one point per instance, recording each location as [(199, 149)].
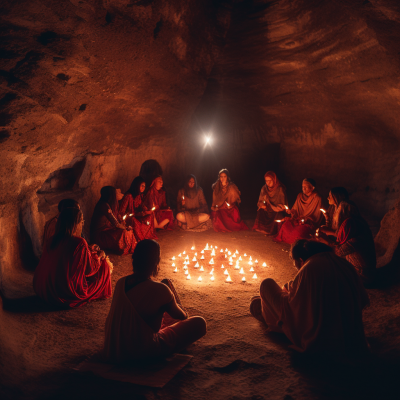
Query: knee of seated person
[(180, 217), (200, 325), (267, 285)]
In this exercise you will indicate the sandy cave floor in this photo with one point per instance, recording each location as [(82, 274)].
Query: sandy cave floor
[(235, 360)]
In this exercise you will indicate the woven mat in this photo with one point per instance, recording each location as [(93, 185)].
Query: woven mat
[(154, 374)]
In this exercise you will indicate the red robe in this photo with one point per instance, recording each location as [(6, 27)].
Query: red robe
[(156, 198), (71, 275), (142, 224)]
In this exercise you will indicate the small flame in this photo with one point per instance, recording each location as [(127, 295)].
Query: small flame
[(176, 269), (213, 253), (131, 215), (194, 259), (228, 279), (230, 259), (199, 279), (255, 276), (195, 254), (211, 261), (234, 255), (278, 220), (207, 248), (245, 255), (186, 272), (323, 210), (124, 217), (180, 255), (241, 271), (237, 266), (192, 248), (222, 266), (287, 208), (184, 252), (226, 272), (148, 223), (185, 267), (173, 265), (226, 250), (250, 262), (202, 252), (212, 278), (173, 258), (215, 247), (229, 253), (244, 279), (153, 209), (212, 271), (201, 269), (183, 197), (240, 258), (228, 204), (250, 258), (256, 261), (197, 265), (202, 257), (302, 221), (251, 269), (236, 251), (226, 256), (221, 251), (264, 265), (188, 277), (187, 258), (230, 263)]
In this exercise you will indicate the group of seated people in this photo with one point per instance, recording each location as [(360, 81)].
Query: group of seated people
[(321, 308)]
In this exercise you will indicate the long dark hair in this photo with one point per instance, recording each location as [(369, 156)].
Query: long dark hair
[(109, 196), (66, 225), (305, 249), (217, 183), (339, 194), (145, 258), (68, 203), (189, 191), (134, 189)]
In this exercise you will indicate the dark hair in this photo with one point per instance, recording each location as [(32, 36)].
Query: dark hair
[(145, 258), (339, 194), (66, 224), (187, 189), (134, 189), (305, 249), (68, 203), (218, 182), (311, 181), (109, 196)]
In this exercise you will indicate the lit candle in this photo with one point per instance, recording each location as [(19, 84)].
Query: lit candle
[(222, 266), (180, 255), (213, 253), (187, 258), (230, 263), (228, 204), (278, 220), (251, 269), (240, 258), (228, 279), (194, 259), (148, 223), (202, 252), (245, 254), (215, 247), (211, 247), (201, 269), (237, 266), (153, 209), (264, 265), (183, 197), (173, 265), (226, 256), (195, 254), (212, 271), (226, 250), (192, 248), (211, 262), (184, 252), (131, 215), (250, 262), (185, 267), (255, 276), (212, 278), (207, 248), (241, 271), (234, 255), (302, 221), (317, 232), (256, 262), (199, 279), (202, 257), (244, 279), (221, 251), (197, 265), (226, 272), (323, 210), (188, 277), (230, 259), (186, 272), (229, 253), (124, 217), (250, 258), (236, 251), (176, 269), (173, 258)]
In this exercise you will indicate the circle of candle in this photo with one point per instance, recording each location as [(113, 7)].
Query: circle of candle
[(212, 271), (194, 259), (173, 258), (173, 265), (240, 258), (186, 272), (192, 248), (197, 265), (241, 271), (212, 278), (188, 277), (199, 279), (201, 268), (211, 262), (176, 269), (226, 272), (255, 276), (251, 269), (264, 265), (244, 279)]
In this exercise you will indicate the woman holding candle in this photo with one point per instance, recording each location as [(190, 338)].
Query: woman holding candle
[(226, 198), (107, 228), (320, 311), (192, 206), (306, 215), (69, 273), (353, 241), (146, 318), (271, 205), (156, 202), (141, 221)]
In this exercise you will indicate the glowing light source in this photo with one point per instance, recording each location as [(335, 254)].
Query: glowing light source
[(173, 258), (221, 251), (197, 265), (124, 217), (186, 272), (278, 220), (208, 139), (202, 257), (192, 248), (180, 255), (188, 277), (251, 269), (173, 265), (222, 266), (321, 209), (240, 258), (202, 252), (264, 264), (241, 271), (255, 276), (228, 279), (245, 254), (244, 279), (201, 268), (211, 261), (226, 272), (212, 278), (212, 271), (213, 253), (199, 279), (176, 269), (184, 252)]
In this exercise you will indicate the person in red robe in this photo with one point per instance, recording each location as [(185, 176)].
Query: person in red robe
[(69, 273), (271, 205), (226, 199), (50, 226), (107, 229), (146, 318), (352, 240), (306, 215), (130, 208), (320, 311), (156, 202)]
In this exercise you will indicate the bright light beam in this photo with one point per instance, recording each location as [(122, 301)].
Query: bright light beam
[(208, 140)]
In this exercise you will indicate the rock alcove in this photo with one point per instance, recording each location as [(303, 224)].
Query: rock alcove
[(92, 91)]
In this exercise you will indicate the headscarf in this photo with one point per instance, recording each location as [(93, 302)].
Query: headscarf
[(308, 207), (311, 181), (217, 187), (274, 179), (190, 192)]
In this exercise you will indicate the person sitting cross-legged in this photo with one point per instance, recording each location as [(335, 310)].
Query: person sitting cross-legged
[(146, 319), (320, 311)]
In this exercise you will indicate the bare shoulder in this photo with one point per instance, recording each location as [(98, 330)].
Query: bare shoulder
[(162, 291)]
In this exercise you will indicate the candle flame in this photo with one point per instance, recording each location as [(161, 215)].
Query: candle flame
[(194, 259), (237, 266), (124, 217), (212, 278), (228, 204), (264, 265), (202, 257), (256, 261), (221, 251), (153, 209), (236, 251), (131, 215), (188, 277), (173, 265), (201, 269), (180, 255), (230, 259), (251, 269), (173, 258), (212, 271), (323, 210), (255, 276), (184, 252), (197, 265), (192, 248), (183, 197), (250, 262), (241, 271), (240, 258), (213, 253), (278, 220), (287, 208), (250, 258), (211, 262), (226, 250), (229, 253), (226, 272), (202, 252), (243, 279), (185, 267), (228, 279), (176, 269), (186, 272), (230, 263), (222, 266), (199, 279), (187, 258), (245, 254)]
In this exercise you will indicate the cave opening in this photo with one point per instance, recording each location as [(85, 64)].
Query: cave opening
[(95, 93)]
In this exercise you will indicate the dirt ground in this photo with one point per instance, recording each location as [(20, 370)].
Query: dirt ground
[(235, 360)]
